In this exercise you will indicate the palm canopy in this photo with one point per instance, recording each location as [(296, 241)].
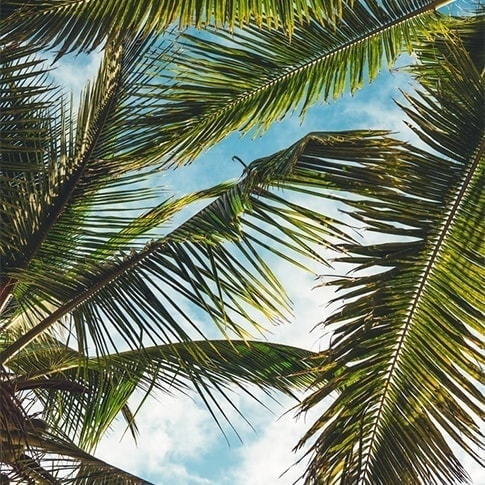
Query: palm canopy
[(70, 259), (246, 80), (97, 304), (202, 87)]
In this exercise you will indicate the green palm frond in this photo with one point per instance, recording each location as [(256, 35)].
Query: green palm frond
[(92, 310), (47, 458), (82, 396), (73, 25), (55, 170), (41, 162), (64, 267), (213, 261), (406, 356), (245, 81), (25, 124)]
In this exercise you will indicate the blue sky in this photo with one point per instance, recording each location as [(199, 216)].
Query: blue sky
[(180, 444)]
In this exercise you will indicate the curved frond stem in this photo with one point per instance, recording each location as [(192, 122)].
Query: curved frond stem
[(423, 282), (65, 309), (447, 223), (94, 468), (221, 221), (321, 57)]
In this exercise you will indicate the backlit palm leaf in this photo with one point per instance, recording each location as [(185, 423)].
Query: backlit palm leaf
[(51, 167), (70, 283), (211, 260), (245, 81)]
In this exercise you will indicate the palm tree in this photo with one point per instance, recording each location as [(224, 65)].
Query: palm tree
[(97, 305), (404, 364), (93, 307)]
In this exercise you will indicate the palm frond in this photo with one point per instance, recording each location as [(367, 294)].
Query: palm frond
[(71, 25), (50, 459), (247, 80), (211, 260), (406, 357), (30, 106), (53, 169), (82, 396)]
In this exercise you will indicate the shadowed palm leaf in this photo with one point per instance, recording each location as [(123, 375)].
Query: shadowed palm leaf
[(404, 356), (36, 458), (83, 395), (74, 292), (84, 25), (103, 285)]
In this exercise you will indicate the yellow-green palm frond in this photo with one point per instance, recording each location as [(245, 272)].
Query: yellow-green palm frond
[(247, 80), (405, 357)]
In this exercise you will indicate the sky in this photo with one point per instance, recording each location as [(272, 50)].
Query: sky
[(179, 441)]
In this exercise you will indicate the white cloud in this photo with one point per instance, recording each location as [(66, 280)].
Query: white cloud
[(171, 430), (72, 72), (269, 458), (178, 432)]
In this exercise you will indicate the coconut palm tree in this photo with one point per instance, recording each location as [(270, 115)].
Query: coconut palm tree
[(96, 306), (99, 302)]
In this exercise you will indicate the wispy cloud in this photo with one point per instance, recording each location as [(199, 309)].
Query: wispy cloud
[(172, 431), (72, 72)]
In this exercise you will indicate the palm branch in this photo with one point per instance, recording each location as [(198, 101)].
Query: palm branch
[(405, 358), (63, 267), (81, 396), (222, 80), (67, 281), (45, 458), (246, 80)]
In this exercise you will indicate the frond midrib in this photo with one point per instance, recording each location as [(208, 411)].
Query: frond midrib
[(107, 277), (291, 71), (86, 150), (427, 273), (64, 309)]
